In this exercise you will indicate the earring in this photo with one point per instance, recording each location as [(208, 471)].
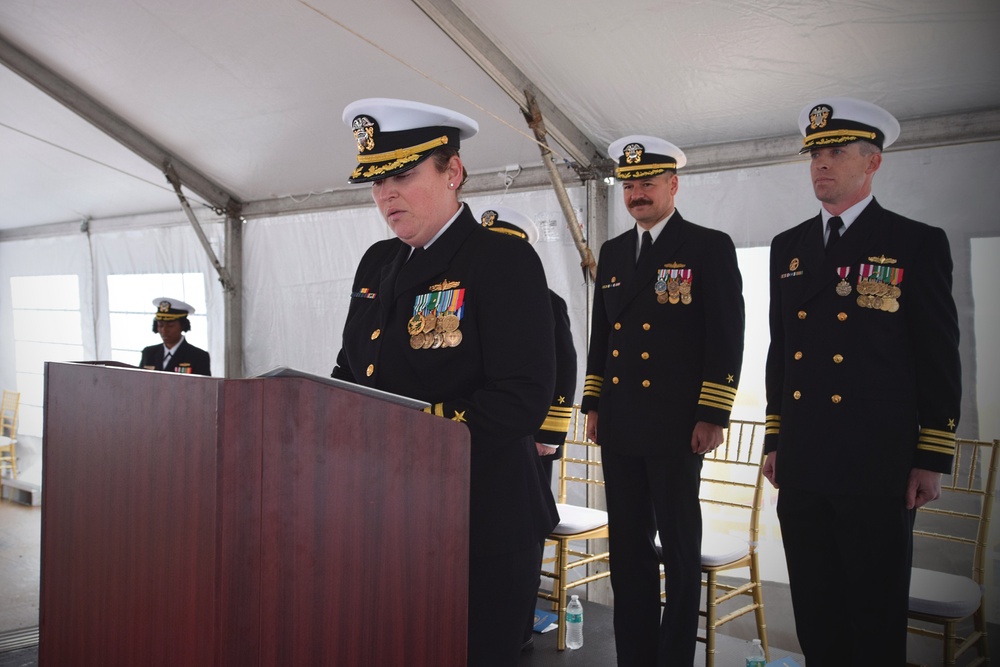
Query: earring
[(451, 185)]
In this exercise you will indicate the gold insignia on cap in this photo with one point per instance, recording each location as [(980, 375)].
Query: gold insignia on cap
[(488, 218), (794, 264), (633, 153), (164, 307), (364, 133), (819, 115)]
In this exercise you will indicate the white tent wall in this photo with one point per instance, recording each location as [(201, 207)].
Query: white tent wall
[(51, 256)]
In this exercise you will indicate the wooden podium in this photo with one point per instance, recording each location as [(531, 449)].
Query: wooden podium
[(191, 521)]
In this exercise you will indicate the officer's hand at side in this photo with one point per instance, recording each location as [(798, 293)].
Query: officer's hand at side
[(544, 450), (592, 426), (769, 468), (706, 437), (923, 487)]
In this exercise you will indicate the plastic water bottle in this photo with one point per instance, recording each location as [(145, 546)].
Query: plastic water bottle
[(574, 623), (756, 657)]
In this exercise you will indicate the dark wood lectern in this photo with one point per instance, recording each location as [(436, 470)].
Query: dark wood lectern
[(191, 521)]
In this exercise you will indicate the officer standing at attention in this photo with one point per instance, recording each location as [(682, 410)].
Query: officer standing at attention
[(552, 434), (459, 317), (666, 349), (175, 355), (863, 390)]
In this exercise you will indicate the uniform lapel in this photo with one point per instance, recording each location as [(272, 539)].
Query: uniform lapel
[(175, 358), (666, 246), (387, 281), (436, 260), (853, 244)]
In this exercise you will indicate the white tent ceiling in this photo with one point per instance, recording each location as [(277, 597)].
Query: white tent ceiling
[(249, 93)]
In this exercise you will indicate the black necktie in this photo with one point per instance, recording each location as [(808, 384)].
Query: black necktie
[(834, 224), (166, 359), (647, 243)]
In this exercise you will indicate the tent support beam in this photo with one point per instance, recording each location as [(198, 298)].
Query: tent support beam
[(537, 124), (512, 80), (233, 298)]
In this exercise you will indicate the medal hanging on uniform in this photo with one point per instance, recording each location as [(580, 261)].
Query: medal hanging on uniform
[(878, 287), (661, 286), (843, 287), (685, 286), (435, 321)]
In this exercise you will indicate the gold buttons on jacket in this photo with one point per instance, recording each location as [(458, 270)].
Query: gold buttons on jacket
[(837, 358), (614, 353), (841, 316), (645, 355), (798, 355), (376, 334), (615, 380), (370, 370), (645, 383), (618, 325), (645, 326), (802, 314), (836, 398), (797, 395)]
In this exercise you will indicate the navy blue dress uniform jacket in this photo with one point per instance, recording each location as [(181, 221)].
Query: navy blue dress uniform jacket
[(186, 359), (553, 430), (498, 380), (655, 369), (875, 390)]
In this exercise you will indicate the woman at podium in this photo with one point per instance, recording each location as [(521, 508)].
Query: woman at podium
[(455, 315)]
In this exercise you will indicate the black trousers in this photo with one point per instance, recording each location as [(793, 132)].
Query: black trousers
[(646, 494), (502, 588), (849, 563)]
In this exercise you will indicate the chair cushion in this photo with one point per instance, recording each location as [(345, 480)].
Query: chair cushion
[(718, 549), (942, 594), (575, 519)]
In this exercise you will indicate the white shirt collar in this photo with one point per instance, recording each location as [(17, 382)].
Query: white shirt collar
[(848, 216)]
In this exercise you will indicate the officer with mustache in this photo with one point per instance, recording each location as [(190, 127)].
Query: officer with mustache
[(665, 354)]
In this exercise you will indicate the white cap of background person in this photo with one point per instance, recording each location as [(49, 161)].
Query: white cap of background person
[(643, 156), (838, 121), (169, 309), (394, 136), (505, 220)]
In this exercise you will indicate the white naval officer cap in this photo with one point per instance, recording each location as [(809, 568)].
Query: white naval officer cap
[(394, 136), (642, 156), (168, 308), (837, 121)]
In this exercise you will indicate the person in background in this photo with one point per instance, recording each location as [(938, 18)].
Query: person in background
[(552, 434), (863, 383), (459, 317), (666, 349), (175, 355)]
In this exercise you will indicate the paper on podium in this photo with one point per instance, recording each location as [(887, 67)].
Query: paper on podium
[(405, 401)]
